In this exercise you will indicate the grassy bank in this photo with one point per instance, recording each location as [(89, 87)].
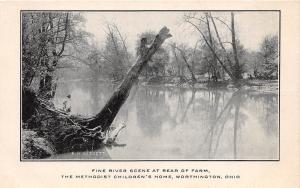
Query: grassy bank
[(255, 84)]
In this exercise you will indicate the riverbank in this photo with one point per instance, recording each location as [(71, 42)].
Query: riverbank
[(253, 84), (175, 82)]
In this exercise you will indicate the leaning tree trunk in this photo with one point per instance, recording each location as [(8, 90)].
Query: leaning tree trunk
[(189, 67), (74, 133), (220, 41), (232, 76), (106, 116), (237, 68), (214, 62)]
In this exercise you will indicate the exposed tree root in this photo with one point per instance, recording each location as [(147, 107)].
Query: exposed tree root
[(68, 133)]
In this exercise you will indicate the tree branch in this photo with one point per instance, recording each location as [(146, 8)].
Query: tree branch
[(66, 35), (219, 60)]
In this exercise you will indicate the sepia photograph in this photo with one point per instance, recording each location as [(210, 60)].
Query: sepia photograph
[(150, 85)]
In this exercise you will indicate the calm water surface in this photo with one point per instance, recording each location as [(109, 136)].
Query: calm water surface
[(174, 123)]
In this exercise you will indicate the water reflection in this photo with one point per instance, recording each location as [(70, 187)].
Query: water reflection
[(177, 123), (152, 110)]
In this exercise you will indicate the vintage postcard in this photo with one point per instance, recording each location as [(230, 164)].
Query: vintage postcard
[(201, 95), (96, 87)]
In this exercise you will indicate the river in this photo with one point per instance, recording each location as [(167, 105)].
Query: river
[(165, 123)]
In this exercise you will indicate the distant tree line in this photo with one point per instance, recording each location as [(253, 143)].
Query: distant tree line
[(53, 40)]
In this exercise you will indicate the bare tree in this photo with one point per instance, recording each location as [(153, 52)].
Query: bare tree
[(214, 62), (114, 53), (219, 38), (237, 68), (183, 52), (192, 20), (179, 65)]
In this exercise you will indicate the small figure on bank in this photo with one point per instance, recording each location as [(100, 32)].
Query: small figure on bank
[(67, 104)]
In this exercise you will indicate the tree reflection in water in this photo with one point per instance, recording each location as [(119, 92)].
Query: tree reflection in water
[(234, 112), (152, 110), (186, 123)]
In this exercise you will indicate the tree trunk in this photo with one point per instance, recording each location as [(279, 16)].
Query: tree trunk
[(106, 116), (232, 76), (29, 103), (47, 85), (237, 71), (189, 67), (28, 77), (220, 41), (214, 72), (185, 61)]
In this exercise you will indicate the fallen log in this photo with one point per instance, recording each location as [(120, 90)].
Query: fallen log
[(106, 116), (69, 133)]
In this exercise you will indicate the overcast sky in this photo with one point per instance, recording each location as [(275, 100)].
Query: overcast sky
[(251, 26)]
